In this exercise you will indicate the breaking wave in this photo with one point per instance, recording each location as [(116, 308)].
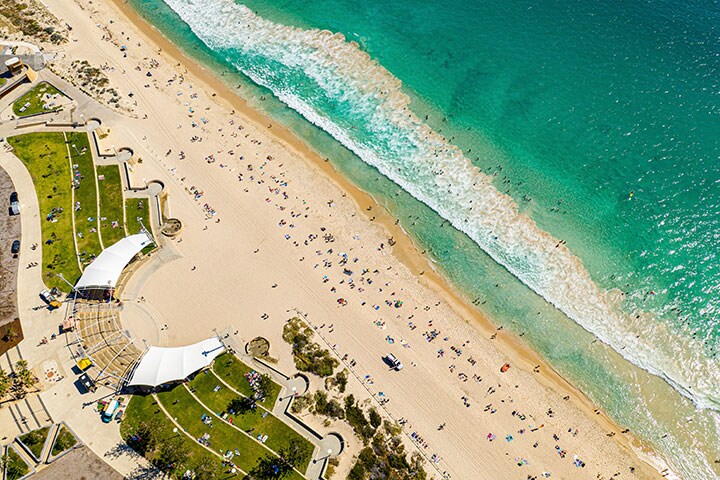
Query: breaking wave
[(339, 88)]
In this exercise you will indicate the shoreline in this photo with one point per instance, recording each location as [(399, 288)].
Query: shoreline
[(404, 250)]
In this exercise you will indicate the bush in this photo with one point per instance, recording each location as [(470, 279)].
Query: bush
[(300, 403), (356, 418), (308, 356), (387, 459), (375, 418), (331, 408), (64, 441)]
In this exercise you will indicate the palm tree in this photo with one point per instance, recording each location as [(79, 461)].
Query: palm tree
[(23, 377), (4, 383), (10, 335)]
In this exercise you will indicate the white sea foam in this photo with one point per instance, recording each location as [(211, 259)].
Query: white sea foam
[(309, 69)]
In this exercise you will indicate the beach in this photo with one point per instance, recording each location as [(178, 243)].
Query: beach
[(272, 231)]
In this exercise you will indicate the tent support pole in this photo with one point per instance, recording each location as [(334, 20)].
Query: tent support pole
[(113, 359)]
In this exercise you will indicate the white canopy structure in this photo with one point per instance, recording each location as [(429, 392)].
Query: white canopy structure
[(105, 270), (161, 365)]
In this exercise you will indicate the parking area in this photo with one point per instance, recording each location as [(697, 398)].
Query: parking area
[(9, 263)]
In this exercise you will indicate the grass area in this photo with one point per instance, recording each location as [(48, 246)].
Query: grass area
[(3, 80), (137, 210), (45, 156), (279, 434), (35, 440), (86, 235), (233, 371), (64, 441), (15, 466), (35, 100), (223, 437), (112, 224), (143, 408)]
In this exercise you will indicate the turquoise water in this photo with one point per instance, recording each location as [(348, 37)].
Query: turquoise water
[(592, 122)]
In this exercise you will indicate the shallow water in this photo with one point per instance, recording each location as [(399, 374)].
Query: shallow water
[(589, 122)]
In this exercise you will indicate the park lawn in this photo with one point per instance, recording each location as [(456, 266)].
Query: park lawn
[(63, 441), (136, 210), (188, 412), (233, 371), (141, 408), (35, 440), (15, 466), (35, 98), (45, 156), (112, 223), (86, 235), (279, 434)]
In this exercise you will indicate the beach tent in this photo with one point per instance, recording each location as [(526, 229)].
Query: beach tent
[(161, 365), (105, 270)]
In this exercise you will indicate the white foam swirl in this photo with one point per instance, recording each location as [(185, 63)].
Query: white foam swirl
[(311, 69)]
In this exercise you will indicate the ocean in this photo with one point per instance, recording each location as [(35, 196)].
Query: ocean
[(558, 161)]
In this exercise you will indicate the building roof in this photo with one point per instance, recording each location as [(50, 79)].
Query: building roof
[(161, 365), (105, 270)]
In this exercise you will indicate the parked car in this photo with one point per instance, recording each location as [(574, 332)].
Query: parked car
[(15, 247), (109, 411), (14, 204), (391, 360), (50, 299), (87, 382)]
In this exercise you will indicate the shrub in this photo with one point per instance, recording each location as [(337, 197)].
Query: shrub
[(308, 356)]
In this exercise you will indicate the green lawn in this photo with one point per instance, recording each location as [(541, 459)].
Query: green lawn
[(2, 81), (137, 209), (223, 437), (142, 408), (45, 156), (86, 235), (63, 441), (279, 434), (112, 224), (35, 440), (15, 466), (233, 371), (35, 97)]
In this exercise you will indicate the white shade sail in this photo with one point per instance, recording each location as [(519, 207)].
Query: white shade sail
[(161, 365), (105, 270)]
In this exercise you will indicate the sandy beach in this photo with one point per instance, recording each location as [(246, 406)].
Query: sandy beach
[(271, 231)]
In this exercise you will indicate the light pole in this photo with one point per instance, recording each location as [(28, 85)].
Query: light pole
[(329, 452), (293, 394)]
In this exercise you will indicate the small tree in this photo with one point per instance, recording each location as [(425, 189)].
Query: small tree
[(295, 452), (242, 405), (146, 435), (169, 454), (270, 468), (206, 468), (263, 386)]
